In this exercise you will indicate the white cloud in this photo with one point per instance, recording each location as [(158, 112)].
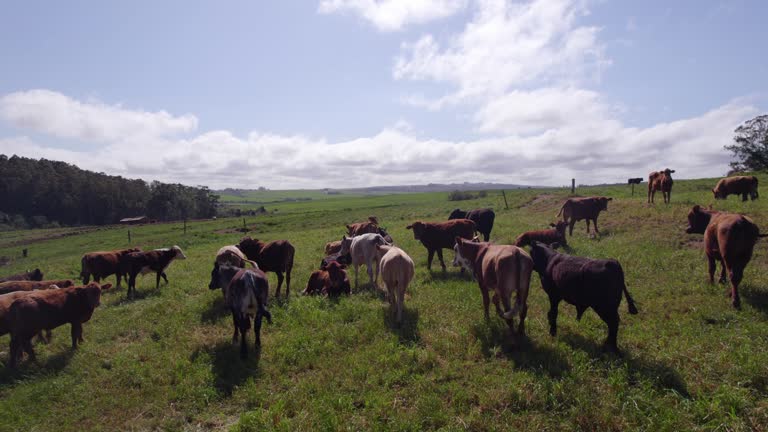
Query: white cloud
[(391, 15), (55, 114)]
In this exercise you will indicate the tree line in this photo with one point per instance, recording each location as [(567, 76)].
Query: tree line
[(45, 193)]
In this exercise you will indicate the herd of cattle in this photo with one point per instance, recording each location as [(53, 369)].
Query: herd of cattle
[(31, 306)]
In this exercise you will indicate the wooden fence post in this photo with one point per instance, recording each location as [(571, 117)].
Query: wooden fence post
[(573, 186), (129, 236), (25, 253), (244, 227), (185, 226), (506, 206)]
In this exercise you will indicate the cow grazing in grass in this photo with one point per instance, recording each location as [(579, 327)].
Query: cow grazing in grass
[(46, 310), (105, 263), (246, 292), (275, 256), (436, 236), (502, 269), (156, 261), (585, 283), (737, 185), (29, 275), (397, 272), (589, 208), (362, 250), (13, 286), (331, 281), (483, 219), (660, 181), (231, 255), (345, 259), (549, 236), (728, 238)]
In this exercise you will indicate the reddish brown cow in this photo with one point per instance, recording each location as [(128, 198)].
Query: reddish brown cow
[(105, 263), (332, 247), (660, 181), (12, 286), (46, 310), (370, 226), (275, 256), (5, 304), (156, 261), (331, 281), (737, 185), (549, 236), (728, 238), (436, 236), (33, 275), (589, 208)]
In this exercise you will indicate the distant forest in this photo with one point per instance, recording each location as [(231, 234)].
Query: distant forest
[(44, 193)]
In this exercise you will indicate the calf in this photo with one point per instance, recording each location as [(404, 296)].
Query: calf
[(105, 263), (397, 272), (156, 261), (247, 297), (660, 181), (362, 250), (728, 238), (46, 310), (345, 259), (5, 304), (370, 226), (576, 209), (554, 235), (584, 283), (737, 185), (331, 280), (502, 269), (483, 219), (12, 286), (332, 247), (33, 275), (436, 236), (275, 256)]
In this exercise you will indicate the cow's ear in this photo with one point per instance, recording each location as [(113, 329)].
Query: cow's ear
[(106, 286), (609, 199), (696, 208), (409, 227)]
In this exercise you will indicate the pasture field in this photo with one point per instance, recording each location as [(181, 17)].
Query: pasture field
[(165, 361)]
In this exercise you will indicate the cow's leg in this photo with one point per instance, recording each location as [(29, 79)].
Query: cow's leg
[(669, 196), (430, 255), (257, 329), (279, 283), (486, 235), (77, 333), (288, 283), (744, 196), (611, 318), (369, 270), (86, 278), (587, 221), (119, 277), (573, 222), (523, 314), (595, 222), (496, 304), (27, 344), (357, 266), (165, 277), (157, 279), (735, 273), (400, 302), (486, 300), (440, 257), (376, 273), (723, 278), (14, 353), (243, 346), (552, 315), (711, 267), (507, 307), (236, 325)]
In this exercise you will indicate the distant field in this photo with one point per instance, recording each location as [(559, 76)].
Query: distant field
[(269, 196), (165, 361)]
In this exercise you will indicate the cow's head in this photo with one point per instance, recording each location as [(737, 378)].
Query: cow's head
[(221, 275), (36, 275), (250, 247), (719, 194), (383, 232), (540, 254), (418, 229), (92, 294), (560, 226), (346, 245), (698, 219), (603, 203), (457, 214), (465, 253), (668, 171), (178, 253), (65, 283)]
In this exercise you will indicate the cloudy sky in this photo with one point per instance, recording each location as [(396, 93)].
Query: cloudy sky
[(340, 93)]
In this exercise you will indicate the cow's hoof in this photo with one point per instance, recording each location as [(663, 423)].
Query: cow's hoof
[(553, 332), (736, 304)]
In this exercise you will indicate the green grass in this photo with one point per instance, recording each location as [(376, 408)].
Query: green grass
[(165, 360)]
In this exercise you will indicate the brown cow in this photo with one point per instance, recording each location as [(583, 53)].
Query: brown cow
[(156, 261), (275, 256), (554, 235), (370, 226), (105, 263), (332, 247), (436, 236), (30, 275), (737, 185), (46, 310), (331, 281), (12, 286), (660, 181), (589, 208), (502, 269), (5, 304), (728, 238)]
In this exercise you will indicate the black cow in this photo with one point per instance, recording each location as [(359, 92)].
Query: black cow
[(584, 283), (483, 219)]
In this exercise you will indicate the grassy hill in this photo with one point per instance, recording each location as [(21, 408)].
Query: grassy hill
[(165, 361)]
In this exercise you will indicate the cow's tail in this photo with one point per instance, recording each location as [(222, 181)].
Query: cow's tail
[(523, 281), (253, 263), (83, 273), (630, 302), (562, 209)]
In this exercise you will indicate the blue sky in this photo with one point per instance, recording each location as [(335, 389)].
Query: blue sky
[(363, 92)]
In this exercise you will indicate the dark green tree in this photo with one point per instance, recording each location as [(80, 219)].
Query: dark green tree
[(750, 148)]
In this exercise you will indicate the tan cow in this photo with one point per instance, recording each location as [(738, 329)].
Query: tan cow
[(660, 181), (588, 208), (502, 269), (397, 271), (737, 185)]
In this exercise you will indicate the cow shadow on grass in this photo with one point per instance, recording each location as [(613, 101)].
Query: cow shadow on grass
[(661, 375), (496, 341), (137, 295), (439, 275), (53, 364), (216, 310), (229, 370), (408, 330), (755, 297)]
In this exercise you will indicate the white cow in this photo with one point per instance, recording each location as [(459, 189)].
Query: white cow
[(362, 249), (397, 272)]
